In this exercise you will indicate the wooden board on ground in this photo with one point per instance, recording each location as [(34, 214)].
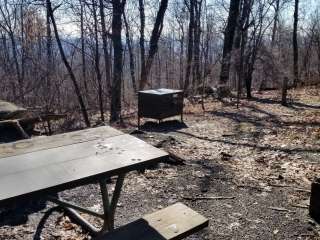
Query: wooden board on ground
[(52, 164), (172, 223)]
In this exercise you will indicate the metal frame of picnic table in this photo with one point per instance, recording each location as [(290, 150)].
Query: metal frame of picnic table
[(109, 207)]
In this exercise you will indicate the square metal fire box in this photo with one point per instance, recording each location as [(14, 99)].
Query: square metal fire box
[(160, 103)]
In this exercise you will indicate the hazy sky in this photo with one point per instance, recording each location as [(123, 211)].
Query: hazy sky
[(67, 26)]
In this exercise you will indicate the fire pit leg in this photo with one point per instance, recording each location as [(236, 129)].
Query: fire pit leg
[(314, 208)]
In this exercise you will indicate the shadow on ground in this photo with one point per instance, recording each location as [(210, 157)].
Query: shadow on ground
[(253, 145), (41, 225), (165, 126), (290, 105), (17, 214)]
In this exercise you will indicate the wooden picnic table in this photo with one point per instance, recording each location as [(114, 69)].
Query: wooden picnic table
[(43, 166)]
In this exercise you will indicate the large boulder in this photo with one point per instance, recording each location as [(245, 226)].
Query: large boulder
[(11, 111)]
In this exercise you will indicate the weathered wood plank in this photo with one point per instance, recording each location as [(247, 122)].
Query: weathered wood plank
[(65, 166), (41, 143), (172, 223)]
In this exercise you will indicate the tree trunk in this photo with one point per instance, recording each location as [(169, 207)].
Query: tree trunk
[(284, 91), (295, 45), (117, 11), (275, 22), (142, 40), (67, 65), (318, 54), (107, 62), (23, 51), (130, 50), (241, 43), (197, 38), (248, 85), (16, 63), (228, 41), (181, 55), (97, 59), (83, 55), (190, 45), (50, 65)]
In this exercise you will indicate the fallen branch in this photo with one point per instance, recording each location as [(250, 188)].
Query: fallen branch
[(289, 186), (302, 190), (280, 185), (281, 209), (208, 198), (258, 188), (300, 206)]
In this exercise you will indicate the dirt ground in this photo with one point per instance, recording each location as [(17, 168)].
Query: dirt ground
[(248, 170)]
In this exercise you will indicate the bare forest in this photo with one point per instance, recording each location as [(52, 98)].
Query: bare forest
[(81, 159), (90, 58)]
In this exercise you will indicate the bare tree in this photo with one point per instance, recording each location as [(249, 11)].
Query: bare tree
[(97, 59), (67, 65), (142, 40), (9, 25), (83, 55), (130, 50), (107, 62), (117, 12), (197, 39), (295, 43), (275, 21), (228, 40), (190, 47), (153, 45)]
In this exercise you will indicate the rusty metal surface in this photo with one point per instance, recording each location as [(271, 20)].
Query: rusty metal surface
[(68, 160)]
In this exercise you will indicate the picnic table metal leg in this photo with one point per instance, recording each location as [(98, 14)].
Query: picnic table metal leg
[(72, 211), (109, 207), (106, 205)]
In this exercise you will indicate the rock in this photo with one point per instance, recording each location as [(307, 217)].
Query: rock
[(9, 110), (280, 177), (312, 223), (225, 156)]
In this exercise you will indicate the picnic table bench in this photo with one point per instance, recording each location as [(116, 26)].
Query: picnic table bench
[(43, 166), (23, 120)]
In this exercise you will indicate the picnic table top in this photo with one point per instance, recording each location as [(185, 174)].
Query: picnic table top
[(44, 165)]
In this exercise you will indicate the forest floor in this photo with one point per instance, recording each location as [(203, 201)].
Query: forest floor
[(258, 160)]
